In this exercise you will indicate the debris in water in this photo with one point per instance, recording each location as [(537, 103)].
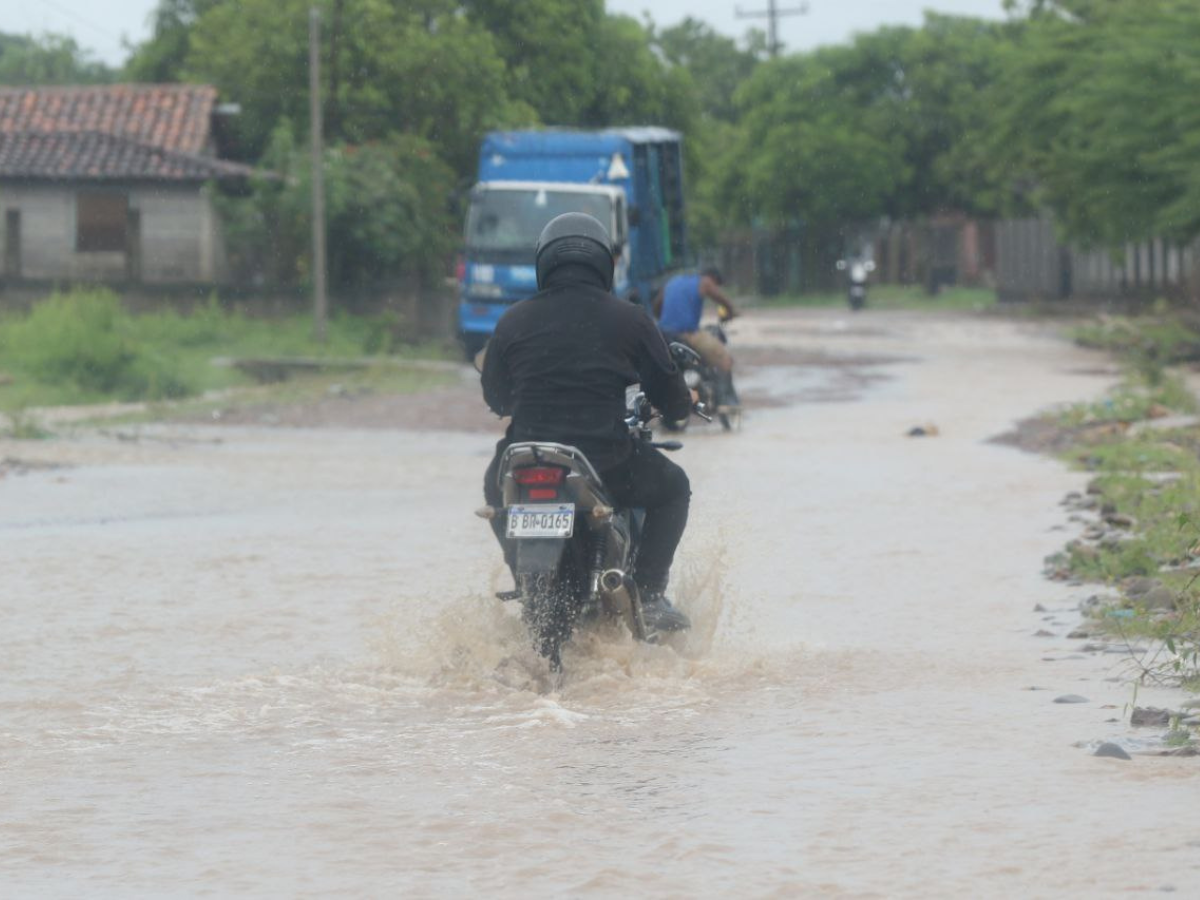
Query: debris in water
[(929, 430)]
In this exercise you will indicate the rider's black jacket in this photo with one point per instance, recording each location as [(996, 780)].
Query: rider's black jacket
[(560, 361)]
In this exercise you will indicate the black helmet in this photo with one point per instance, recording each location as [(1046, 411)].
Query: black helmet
[(574, 239)]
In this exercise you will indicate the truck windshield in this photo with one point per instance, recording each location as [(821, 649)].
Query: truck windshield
[(513, 219)]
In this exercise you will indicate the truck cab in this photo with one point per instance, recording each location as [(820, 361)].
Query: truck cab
[(631, 179), (504, 220)]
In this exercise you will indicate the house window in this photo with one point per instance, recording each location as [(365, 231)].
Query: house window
[(101, 221)]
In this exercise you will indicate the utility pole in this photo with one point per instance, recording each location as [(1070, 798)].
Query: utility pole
[(320, 302), (772, 15)]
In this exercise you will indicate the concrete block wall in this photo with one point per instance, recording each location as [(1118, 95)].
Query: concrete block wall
[(179, 236)]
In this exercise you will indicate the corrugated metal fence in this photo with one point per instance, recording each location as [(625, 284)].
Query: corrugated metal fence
[(1021, 258), (1033, 265)]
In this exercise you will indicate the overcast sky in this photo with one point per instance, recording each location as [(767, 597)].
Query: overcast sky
[(101, 25)]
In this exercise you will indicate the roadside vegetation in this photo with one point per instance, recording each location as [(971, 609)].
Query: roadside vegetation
[(1143, 443), (83, 347), (1163, 337)]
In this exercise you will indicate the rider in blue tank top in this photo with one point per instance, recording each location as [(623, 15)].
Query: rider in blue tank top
[(680, 307)]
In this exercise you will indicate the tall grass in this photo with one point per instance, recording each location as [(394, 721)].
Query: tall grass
[(83, 346), (84, 341)]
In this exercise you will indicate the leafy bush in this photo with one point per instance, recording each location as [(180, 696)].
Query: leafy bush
[(85, 339)]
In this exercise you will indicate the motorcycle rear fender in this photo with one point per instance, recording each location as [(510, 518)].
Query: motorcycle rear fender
[(583, 485), (540, 555)]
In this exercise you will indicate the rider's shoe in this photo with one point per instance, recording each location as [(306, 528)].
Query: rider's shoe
[(660, 615), (726, 394)]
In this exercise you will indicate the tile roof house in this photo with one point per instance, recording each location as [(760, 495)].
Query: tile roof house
[(109, 184)]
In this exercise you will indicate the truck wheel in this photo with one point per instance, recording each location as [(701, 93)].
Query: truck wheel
[(471, 342)]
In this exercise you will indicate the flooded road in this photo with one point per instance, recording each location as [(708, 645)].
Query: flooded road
[(266, 662)]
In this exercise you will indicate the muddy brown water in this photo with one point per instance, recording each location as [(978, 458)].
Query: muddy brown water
[(265, 662)]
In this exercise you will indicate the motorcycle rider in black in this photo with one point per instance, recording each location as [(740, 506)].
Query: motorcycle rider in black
[(559, 363)]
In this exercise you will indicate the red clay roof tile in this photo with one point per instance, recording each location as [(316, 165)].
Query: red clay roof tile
[(131, 131), (92, 156), (175, 117)]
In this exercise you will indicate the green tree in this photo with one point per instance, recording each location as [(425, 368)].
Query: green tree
[(160, 58), (715, 63), (890, 125), (550, 49), (417, 67), (710, 68), (632, 86), (1098, 118), (807, 149), (386, 207), (942, 73), (49, 59)]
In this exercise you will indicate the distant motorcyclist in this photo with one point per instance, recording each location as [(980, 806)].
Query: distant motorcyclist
[(680, 307), (559, 363)]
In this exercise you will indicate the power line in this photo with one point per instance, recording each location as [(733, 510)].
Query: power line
[(772, 14), (71, 14)]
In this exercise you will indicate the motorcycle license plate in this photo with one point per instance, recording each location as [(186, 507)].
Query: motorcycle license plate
[(541, 520)]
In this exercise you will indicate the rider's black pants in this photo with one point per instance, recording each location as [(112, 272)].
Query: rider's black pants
[(647, 479)]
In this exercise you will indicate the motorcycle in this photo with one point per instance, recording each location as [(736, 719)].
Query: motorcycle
[(856, 274), (703, 378), (575, 549)]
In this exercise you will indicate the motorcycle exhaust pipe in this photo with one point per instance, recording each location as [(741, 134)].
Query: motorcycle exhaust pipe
[(619, 588), (613, 581)]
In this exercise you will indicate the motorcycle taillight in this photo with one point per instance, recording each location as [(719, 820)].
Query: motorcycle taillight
[(541, 476)]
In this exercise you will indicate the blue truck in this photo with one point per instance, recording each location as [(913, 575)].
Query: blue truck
[(631, 179)]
